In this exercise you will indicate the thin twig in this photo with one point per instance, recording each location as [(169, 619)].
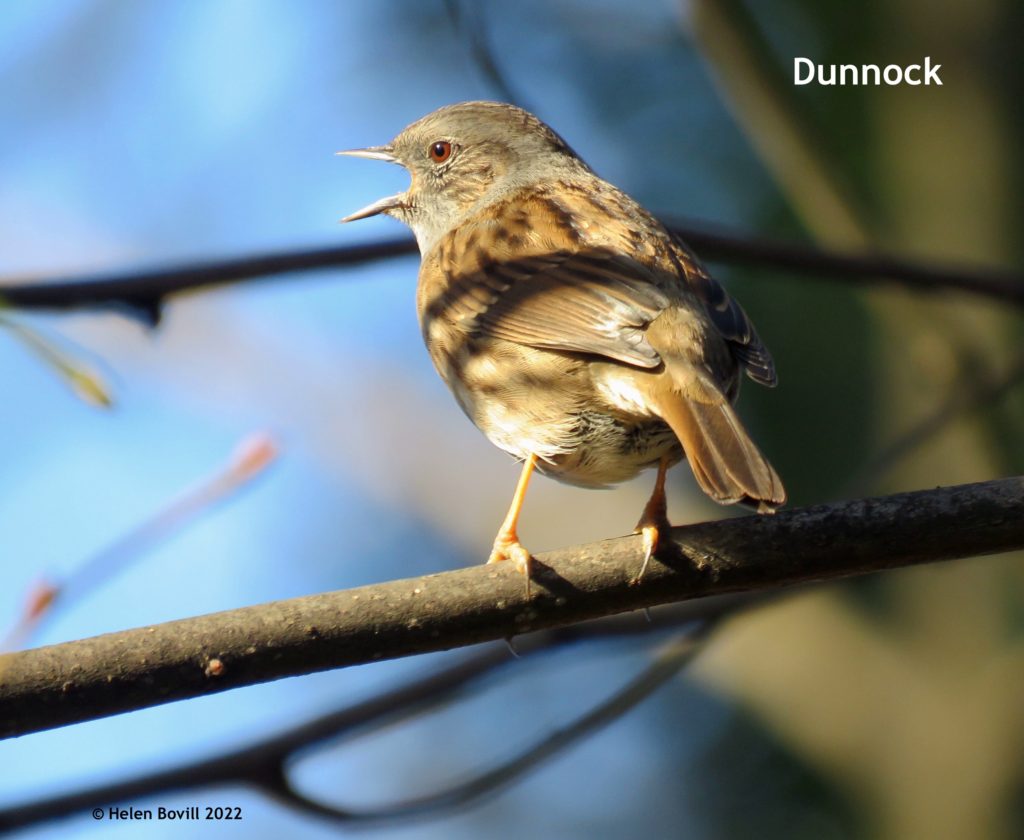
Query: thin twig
[(467, 20), (142, 293), (264, 763), (996, 283), (970, 395), (250, 457), (667, 664)]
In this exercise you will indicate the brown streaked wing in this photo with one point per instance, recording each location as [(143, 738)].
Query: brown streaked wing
[(590, 301)]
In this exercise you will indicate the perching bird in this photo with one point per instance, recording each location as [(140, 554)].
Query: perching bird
[(574, 330)]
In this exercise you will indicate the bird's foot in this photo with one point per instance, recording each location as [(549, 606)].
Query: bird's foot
[(508, 547), (650, 528)]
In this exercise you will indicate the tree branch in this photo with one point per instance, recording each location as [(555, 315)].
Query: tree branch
[(265, 762), (118, 672), (143, 293), (996, 283), (667, 664)]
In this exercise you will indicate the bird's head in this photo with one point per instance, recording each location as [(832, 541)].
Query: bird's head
[(462, 157)]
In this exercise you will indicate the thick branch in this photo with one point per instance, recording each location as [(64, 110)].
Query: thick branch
[(143, 293), (118, 672)]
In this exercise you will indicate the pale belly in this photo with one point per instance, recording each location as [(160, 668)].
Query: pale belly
[(586, 430)]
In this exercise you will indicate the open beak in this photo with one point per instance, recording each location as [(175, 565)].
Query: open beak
[(385, 153), (383, 205)]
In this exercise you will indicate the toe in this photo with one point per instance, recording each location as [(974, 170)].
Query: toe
[(516, 552), (511, 550)]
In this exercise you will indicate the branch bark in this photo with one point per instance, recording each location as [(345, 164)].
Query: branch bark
[(143, 293), (118, 672)]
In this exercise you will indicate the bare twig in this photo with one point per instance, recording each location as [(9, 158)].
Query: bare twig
[(264, 763), (250, 457), (467, 20), (969, 395), (667, 663), (995, 283), (142, 293), (118, 672)]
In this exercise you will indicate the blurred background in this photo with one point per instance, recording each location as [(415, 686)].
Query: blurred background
[(142, 134)]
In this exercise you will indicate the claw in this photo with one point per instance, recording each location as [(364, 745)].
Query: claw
[(653, 521), (512, 549), (651, 535)]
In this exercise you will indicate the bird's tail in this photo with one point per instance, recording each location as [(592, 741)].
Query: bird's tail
[(727, 464)]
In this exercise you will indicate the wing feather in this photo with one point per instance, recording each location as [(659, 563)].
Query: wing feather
[(729, 319), (593, 301)]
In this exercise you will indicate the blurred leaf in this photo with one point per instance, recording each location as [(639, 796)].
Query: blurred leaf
[(85, 382)]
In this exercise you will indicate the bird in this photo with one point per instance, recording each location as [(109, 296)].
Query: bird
[(573, 328)]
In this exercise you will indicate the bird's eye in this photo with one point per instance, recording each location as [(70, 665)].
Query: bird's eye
[(440, 151)]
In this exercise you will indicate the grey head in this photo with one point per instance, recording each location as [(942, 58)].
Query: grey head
[(463, 157)]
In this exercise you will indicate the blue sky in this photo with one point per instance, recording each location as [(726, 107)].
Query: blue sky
[(138, 134)]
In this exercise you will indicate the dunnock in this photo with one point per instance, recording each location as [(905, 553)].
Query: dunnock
[(573, 329)]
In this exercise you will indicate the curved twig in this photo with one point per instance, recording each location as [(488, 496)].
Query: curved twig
[(667, 663), (263, 764)]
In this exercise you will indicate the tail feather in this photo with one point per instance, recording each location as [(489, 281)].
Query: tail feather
[(725, 461)]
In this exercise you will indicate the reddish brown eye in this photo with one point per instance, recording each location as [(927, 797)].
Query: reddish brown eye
[(440, 151)]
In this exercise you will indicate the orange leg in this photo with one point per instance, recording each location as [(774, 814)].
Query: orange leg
[(506, 544), (654, 519)]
